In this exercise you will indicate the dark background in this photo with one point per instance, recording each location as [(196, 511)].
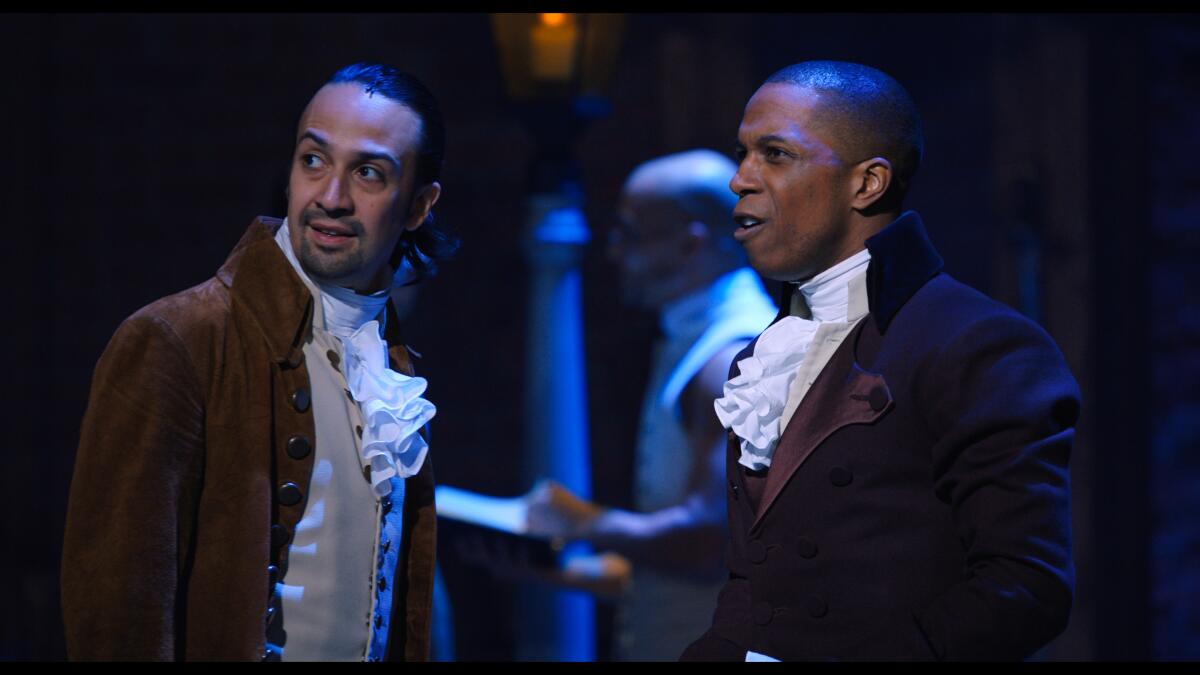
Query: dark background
[(1060, 155)]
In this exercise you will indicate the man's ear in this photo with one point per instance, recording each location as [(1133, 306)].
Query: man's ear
[(872, 178), (422, 203)]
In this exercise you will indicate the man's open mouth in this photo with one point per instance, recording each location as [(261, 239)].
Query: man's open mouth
[(330, 232)]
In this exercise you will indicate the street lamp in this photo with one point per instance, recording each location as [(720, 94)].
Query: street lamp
[(555, 56), (556, 67)]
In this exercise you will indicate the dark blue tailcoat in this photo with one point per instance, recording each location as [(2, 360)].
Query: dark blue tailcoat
[(917, 504)]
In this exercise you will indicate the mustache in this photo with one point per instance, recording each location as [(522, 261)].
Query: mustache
[(309, 215)]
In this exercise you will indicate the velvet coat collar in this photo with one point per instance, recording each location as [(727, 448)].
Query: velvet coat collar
[(902, 260)]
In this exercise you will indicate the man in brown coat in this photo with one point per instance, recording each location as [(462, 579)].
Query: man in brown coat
[(252, 481)]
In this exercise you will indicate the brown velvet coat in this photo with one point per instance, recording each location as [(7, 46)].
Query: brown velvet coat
[(173, 519)]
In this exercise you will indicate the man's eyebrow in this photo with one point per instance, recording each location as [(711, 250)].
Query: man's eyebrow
[(773, 138), (763, 141), (314, 137), (360, 156), (368, 155)]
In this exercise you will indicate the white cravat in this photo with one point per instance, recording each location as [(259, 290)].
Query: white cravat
[(392, 407), (759, 401)]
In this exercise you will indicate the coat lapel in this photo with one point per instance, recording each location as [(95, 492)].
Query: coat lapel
[(902, 260), (843, 394), (268, 293)]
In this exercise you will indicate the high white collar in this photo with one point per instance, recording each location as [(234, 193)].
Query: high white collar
[(837, 294), (343, 310), (391, 403), (754, 400)]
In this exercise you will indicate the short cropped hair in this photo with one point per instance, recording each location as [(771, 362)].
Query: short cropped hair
[(428, 244), (870, 115)]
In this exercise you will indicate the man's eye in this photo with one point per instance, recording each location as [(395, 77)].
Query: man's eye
[(370, 173), (310, 160), (739, 154), (775, 153)]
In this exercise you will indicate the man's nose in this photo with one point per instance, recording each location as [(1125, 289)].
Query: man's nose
[(743, 181), (335, 195)]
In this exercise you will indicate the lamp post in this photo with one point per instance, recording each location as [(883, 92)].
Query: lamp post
[(555, 67)]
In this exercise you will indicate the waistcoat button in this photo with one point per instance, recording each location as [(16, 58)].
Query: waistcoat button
[(272, 576), (756, 551), (333, 357), (300, 399), (806, 548), (298, 447), (817, 607), (289, 494), (279, 535), (840, 476), (382, 583)]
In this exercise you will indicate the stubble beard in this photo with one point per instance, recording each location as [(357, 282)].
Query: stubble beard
[(330, 266)]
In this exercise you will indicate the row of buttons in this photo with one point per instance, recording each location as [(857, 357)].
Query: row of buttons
[(839, 476), (381, 584), (756, 551), (288, 494), (762, 612), (385, 507), (298, 447)]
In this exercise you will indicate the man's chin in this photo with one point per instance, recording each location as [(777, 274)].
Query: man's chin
[(327, 268), (773, 271)]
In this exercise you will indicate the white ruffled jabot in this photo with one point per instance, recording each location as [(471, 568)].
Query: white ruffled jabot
[(391, 404), (753, 402), (392, 408)]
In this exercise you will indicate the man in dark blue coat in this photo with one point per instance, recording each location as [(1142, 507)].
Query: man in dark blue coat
[(898, 442)]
